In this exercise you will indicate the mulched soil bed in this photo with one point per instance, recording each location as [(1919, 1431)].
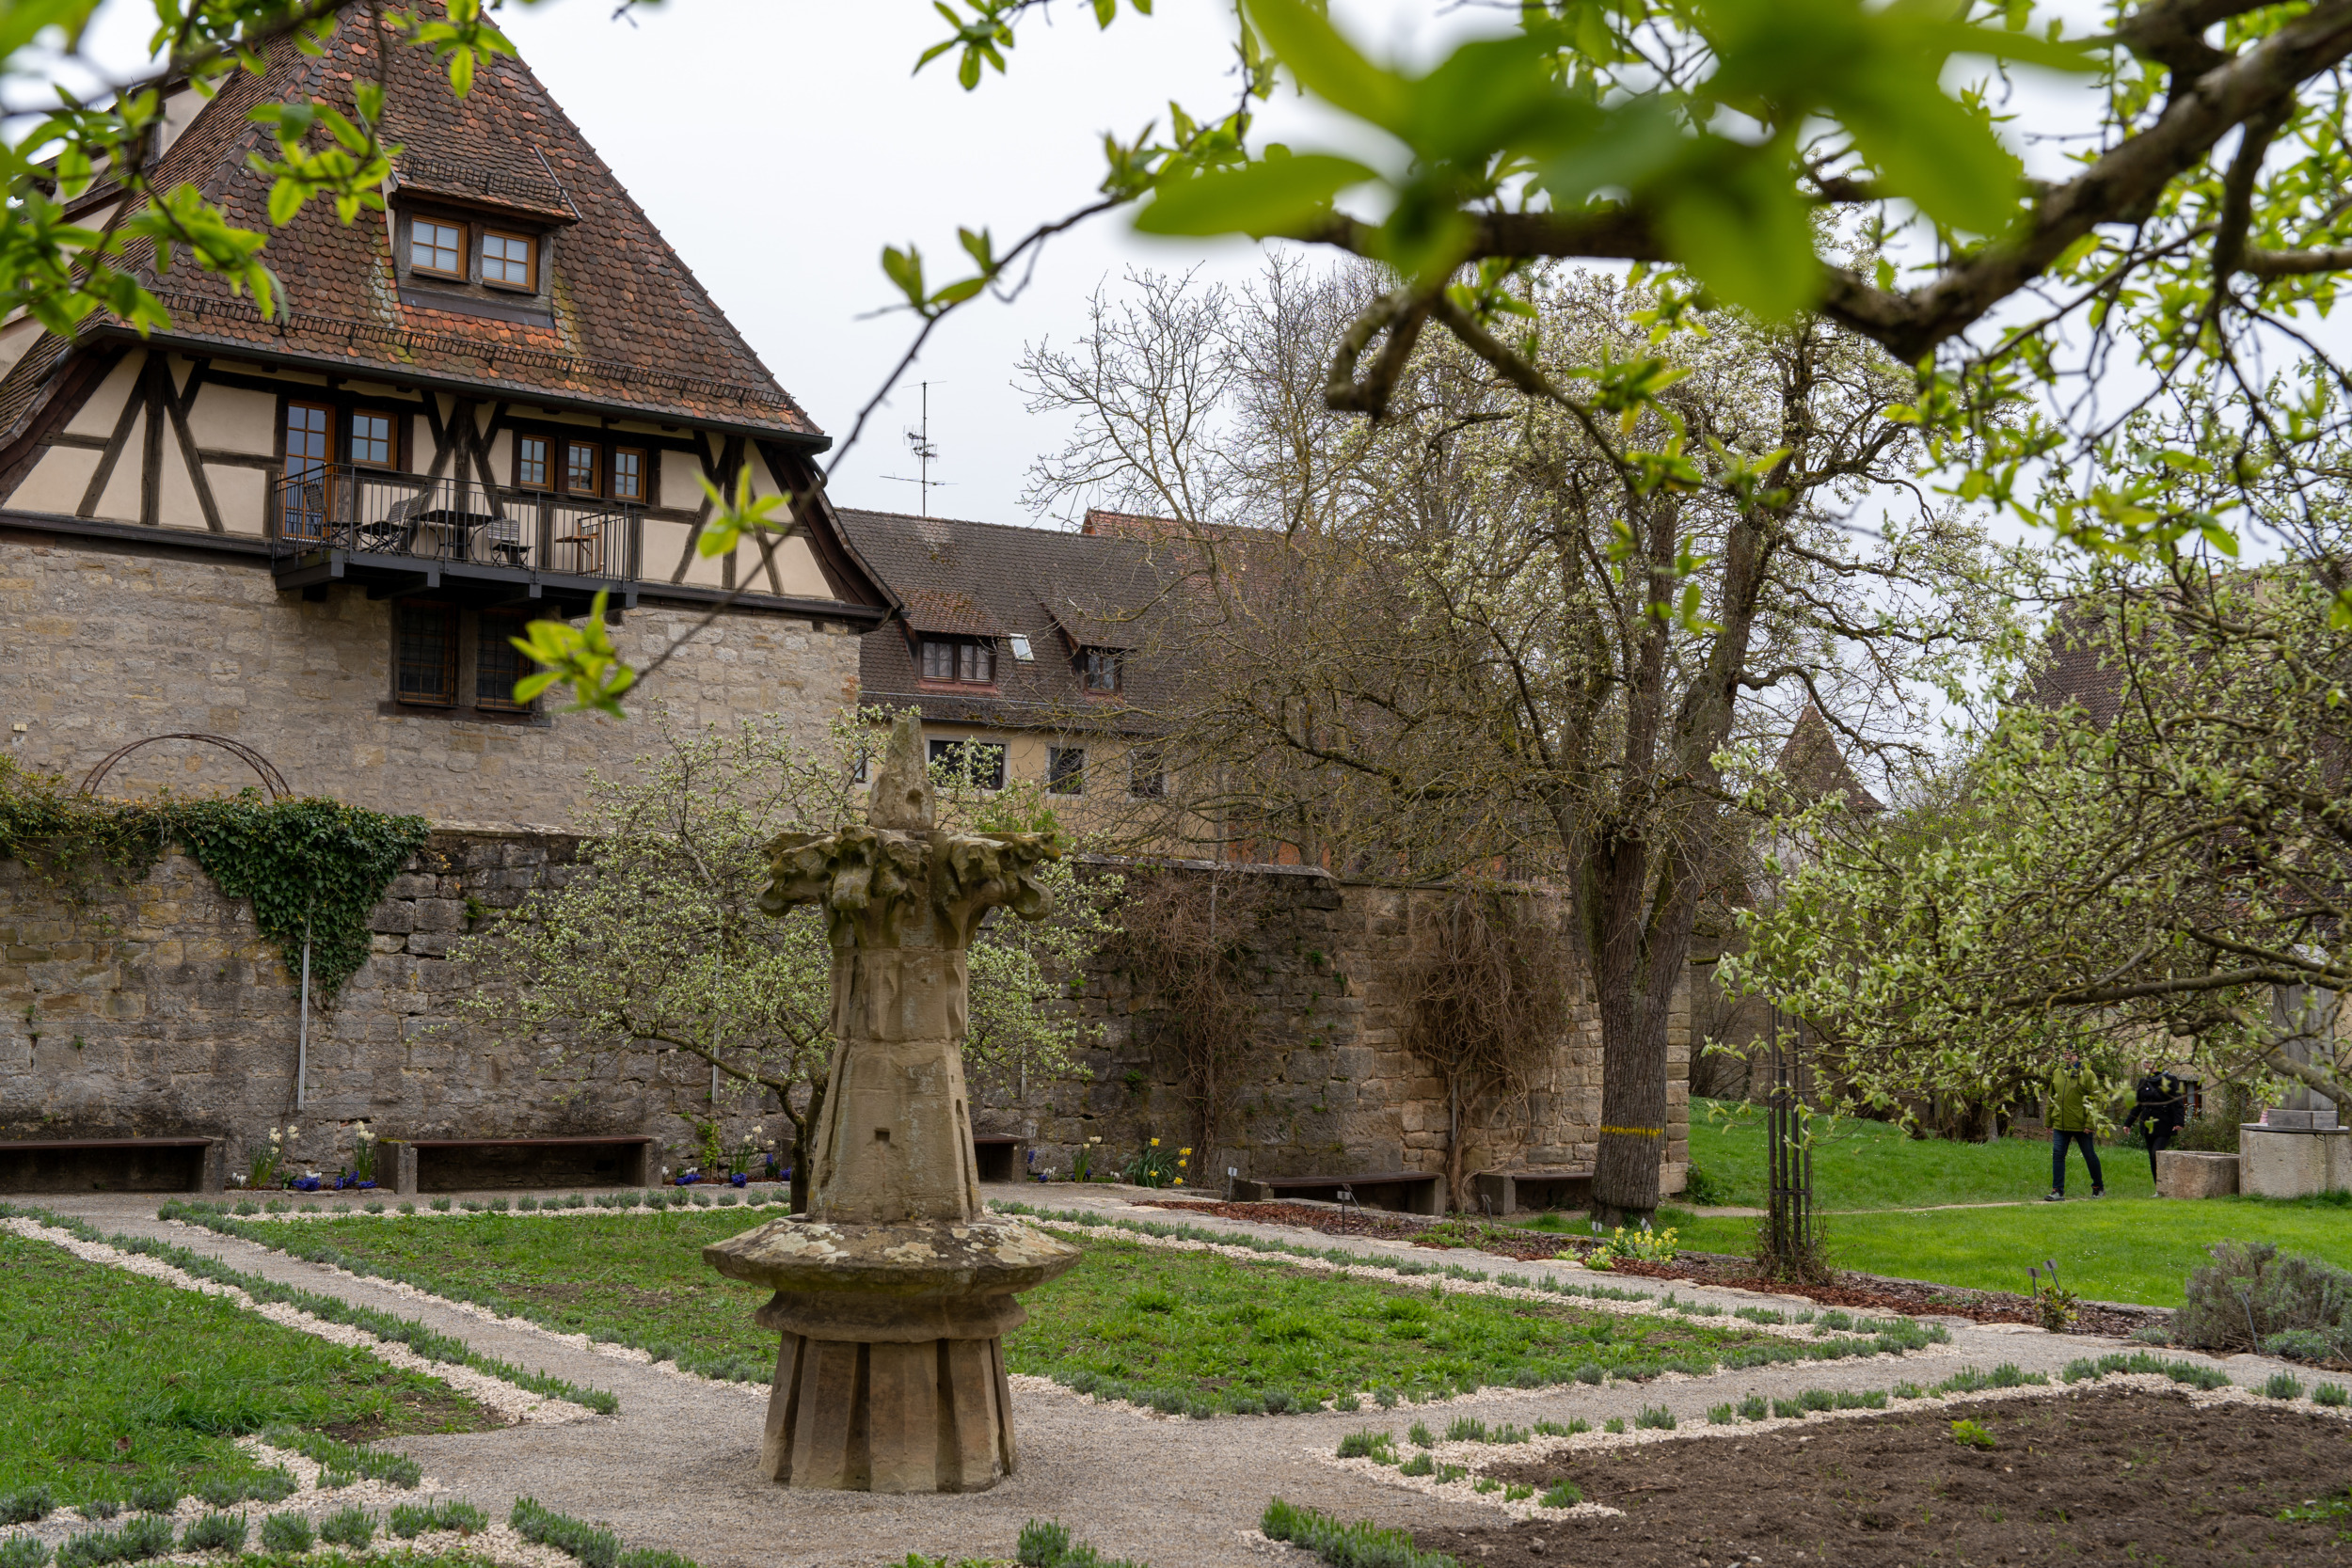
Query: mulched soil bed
[(1871, 1292), (2098, 1476), (1864, 1292)]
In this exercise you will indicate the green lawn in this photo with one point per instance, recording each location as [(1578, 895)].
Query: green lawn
[(110, 1381), (1193, 1327), (1872, 1164), (2116, 1249)]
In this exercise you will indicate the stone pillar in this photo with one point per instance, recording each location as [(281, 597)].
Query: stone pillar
[(894, 1291), (2296, 1149)]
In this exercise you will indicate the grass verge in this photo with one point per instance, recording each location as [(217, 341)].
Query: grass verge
[(429, 1343), (115, 1384), (2114, 1250), (1874, 1164)]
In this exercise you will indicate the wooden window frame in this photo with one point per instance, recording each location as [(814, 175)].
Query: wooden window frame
[(449, 630), (546, 461), (529, 285), (1138, 760), (964, 746), (1113, 660), (596, 455), (323, 463), (1065, 770), (395, 425), (957, 648), (613, 473), (465, 251), (512, 624)]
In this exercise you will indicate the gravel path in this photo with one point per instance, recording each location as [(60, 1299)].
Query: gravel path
[(674, 1469)]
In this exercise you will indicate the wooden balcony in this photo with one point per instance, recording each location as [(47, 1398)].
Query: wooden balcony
[(396, 534)]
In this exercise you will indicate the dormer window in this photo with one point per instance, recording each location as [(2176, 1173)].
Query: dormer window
[(437, 249), (960, 660), (509, 261), (1098, 670)]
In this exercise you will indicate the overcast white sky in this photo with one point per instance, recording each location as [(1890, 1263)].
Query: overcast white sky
[(780, 144)]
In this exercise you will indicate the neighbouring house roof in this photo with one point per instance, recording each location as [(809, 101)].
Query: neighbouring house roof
[(1815, 764), (631, 330), (1062, 591)]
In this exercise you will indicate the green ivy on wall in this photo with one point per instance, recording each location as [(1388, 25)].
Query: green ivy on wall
[(313, 866)]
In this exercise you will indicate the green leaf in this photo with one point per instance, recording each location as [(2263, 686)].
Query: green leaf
[(1271, 197), (1937, 153), (1742, 232), (1329, 65), (21, 21)]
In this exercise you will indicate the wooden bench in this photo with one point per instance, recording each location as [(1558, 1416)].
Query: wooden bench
[(465, 1164), (114, 1166), (1512, 1192), (996, 1156), (1402, 1192)]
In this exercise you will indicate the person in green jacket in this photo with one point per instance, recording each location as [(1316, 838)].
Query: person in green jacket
[(2070, 1120)]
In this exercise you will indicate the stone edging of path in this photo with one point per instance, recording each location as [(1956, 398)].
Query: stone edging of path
[(1469, 1454), (517, 1404), (495, 1540), (410, 1210)]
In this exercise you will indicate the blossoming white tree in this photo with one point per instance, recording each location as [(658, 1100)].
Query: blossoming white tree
[(659, 943)]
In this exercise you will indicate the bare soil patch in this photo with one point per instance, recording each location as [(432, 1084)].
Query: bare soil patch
[(2103, 1476), (1870, 1292)]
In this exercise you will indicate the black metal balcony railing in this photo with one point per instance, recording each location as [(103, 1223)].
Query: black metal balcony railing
[(373, 513)]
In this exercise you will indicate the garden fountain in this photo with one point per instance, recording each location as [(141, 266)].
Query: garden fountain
[(894, 1288)]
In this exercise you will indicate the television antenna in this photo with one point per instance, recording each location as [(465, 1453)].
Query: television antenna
[(919, 442)]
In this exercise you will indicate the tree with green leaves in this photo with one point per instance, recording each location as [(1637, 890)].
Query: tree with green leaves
[(2148, 855), (1489, 631), (657, 941)]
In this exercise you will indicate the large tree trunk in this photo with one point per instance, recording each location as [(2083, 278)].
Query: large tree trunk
[(800, 1125)]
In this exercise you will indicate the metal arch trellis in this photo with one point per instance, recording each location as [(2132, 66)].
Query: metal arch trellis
[(272, 780)]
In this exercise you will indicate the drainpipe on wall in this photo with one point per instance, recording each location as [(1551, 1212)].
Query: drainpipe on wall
[(302, 1037)]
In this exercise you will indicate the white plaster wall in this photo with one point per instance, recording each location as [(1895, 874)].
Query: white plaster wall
[(96, 415), (56, 482)]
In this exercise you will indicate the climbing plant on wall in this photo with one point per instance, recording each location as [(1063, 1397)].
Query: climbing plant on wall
[(311, 867)]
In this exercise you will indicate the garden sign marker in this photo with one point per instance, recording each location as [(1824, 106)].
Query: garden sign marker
[(894, 1291)]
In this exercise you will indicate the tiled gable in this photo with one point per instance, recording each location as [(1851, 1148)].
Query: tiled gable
[(623, 325), (1060, 590)]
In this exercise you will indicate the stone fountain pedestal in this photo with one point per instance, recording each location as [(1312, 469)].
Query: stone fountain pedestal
[(894, 1291)]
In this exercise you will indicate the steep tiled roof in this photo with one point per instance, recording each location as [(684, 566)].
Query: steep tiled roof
[(1062, 591), (1815, 764), (2080, 660), (632, 328)]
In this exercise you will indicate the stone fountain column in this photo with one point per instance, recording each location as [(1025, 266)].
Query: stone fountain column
[(894, 1288)]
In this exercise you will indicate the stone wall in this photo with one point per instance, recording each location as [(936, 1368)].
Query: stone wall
[(108, 642), (153, 1009), (1331, 1089), (156, 1009)]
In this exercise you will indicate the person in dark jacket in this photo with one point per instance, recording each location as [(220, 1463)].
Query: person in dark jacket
[(2160, 1110), (2069, 1090)]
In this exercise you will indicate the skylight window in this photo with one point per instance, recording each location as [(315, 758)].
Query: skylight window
[(1021, 648)]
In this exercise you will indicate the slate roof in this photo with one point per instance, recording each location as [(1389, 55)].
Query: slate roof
[(1062, 591), (633, 331)]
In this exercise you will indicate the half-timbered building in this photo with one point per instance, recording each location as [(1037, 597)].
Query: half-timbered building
[(315, 531)]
